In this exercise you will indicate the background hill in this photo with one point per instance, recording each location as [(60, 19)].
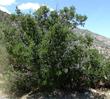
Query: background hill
[(100, 42), (4, 16)]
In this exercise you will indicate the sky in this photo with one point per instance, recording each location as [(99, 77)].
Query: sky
[(97, 11)]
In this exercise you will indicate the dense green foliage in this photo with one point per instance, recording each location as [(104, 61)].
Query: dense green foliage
[(45, 54)]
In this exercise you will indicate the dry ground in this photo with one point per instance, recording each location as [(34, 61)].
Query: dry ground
[(90, 94)]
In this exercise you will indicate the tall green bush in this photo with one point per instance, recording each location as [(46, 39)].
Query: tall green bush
[(44, 53)]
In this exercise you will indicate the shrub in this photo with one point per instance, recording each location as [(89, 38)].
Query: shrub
[(44, 53)]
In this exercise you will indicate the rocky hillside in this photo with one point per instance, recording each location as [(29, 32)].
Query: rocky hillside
[(100, 42), (4, 16)]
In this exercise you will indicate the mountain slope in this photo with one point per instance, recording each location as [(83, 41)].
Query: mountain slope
[(4, 16), (100, 42)]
